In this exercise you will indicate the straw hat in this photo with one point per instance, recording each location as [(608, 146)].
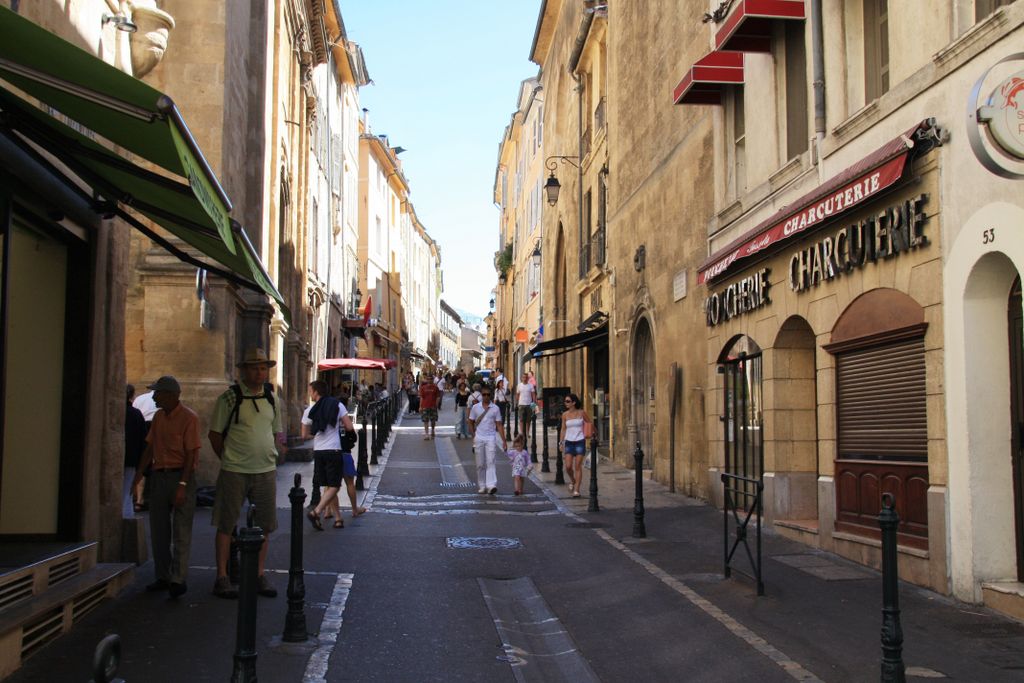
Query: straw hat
[(256, 357)]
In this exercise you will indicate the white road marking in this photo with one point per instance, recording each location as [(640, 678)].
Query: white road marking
[(316, 668)]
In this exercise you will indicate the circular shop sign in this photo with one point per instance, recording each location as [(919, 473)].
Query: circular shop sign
[(1002, 115)]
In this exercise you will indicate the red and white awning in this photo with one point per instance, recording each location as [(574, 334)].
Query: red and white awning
[(705, 80), (748, 28)]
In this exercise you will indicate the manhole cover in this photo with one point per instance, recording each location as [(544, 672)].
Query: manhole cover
[(588, 525), (483, 543)]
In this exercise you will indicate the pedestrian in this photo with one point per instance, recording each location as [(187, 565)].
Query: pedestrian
[(429, 399), (501, 394), (246, 433), (440, 383), (519, 457), (145, 404), (332, 452), (474, 398), (485, 425), (576, 429), (462, 411), (173, 451), (135, 431), (414, 398), (527, 397)]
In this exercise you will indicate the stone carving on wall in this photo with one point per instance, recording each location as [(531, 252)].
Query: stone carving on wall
[(149, 43)]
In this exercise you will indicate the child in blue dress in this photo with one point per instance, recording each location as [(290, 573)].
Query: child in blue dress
[(520, 460)]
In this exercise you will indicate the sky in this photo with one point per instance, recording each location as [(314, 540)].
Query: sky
[(446, 78)]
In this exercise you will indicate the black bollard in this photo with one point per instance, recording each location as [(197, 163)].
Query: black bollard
[(593, 506), (233, 558), (893, 669), (544, 465), (506, 420), (639, 530), (533, 438), (559, 475), (515, 410), (362, 465), (295, 620), (374, 436), (251, 540), (106, 659)]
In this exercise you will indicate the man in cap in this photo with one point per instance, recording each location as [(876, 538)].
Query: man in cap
[(172, 447), (246, 434)]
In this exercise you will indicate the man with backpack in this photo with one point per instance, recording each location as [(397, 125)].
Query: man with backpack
[(246, 433)]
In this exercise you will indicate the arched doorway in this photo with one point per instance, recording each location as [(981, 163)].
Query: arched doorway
[(1015, 324), (743, 414), (643, 394)]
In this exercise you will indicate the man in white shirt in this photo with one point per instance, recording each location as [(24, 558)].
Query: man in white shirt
[(527, 397), (485, 425), (332, 452)]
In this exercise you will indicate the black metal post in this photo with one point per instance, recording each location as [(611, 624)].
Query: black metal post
[(508, 420), (106, 659), (893, 669), (593, 506), (533, 438), (514, 407), (295, 620), (375, 438), (639, 530), (362, 466), (251, 540), (233, 563), (544, 465), (559, 474)]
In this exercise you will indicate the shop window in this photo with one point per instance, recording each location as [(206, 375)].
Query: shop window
[(742, 413), (738, 133), (876, 49), (881, 414), (983, 8), (795, 54)]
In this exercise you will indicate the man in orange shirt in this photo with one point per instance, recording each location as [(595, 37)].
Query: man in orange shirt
[(172, 447)]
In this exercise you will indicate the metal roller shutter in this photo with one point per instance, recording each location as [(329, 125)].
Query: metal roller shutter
[(882, 412)]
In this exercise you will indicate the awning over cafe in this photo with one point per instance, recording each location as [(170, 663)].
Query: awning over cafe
[(708, 77), (571, 342), (748, 28), (353, 364), (85, 100)]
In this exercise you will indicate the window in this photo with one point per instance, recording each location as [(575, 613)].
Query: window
[(379, 236), (983, 8), (796, 89), (739, 141), (876, 49)]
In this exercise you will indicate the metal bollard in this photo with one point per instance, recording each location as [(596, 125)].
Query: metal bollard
[(559, 474), (106, 659), (893, 669), (251, 540), (593, 506), (374, 440), (233, 564), (533, 439), (515, 409), (544, 465), (362, 466), (295, 620), (639, 530)]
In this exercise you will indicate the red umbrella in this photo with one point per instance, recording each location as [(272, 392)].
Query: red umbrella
[(354, 364)]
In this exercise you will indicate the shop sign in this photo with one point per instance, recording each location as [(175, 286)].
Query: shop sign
[(743, 296), (1002, 117), (895, 230)]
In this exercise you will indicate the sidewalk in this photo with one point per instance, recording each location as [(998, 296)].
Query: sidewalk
[(822, 611)]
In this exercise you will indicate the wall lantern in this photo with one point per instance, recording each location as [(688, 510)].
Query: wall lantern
[(502, 279), (120, 22), (552, 186), (535, 256)]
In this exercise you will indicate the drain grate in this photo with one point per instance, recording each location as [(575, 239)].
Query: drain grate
[(588, 525), (483, 543)]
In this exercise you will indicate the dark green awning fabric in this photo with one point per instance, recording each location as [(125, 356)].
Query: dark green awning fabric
[(103, 100)]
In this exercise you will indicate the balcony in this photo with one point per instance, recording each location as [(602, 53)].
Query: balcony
[(585, 142), (597, 254)]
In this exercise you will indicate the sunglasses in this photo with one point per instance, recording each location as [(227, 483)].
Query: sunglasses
[(569, 400), (485, 394)]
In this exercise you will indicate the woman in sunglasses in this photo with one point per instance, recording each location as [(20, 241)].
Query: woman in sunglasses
[(576, 427)]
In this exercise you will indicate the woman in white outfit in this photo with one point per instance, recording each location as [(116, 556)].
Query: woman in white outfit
[(485, 424)]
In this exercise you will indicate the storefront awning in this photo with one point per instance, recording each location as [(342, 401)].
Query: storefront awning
[(748, 28), (856, 185), (708, 77), (571, 342), (88, 99), (352, 364)]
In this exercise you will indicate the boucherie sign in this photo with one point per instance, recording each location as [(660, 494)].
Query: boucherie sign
[(810, 215)]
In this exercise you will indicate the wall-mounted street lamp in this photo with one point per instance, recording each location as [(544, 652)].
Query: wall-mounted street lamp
[(120, 22), (552, 186), (502, 279), (358, 298), (492, 304), (535, 256)]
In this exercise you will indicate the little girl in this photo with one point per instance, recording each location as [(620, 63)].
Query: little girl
[(520, 459)]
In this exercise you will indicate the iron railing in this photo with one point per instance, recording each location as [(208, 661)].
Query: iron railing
[(597, 254), (584, 259), (743, 503)]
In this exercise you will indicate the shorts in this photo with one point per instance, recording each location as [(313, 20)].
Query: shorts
[(333, 466), (576, 447), (233, 488), (525, 414), (428, 414)]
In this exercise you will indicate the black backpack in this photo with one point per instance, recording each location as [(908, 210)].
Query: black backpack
[(268, 395)]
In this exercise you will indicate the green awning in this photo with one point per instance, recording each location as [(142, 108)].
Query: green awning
[(97, 98)]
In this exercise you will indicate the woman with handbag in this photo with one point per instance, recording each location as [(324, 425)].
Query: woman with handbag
[(576, 429)]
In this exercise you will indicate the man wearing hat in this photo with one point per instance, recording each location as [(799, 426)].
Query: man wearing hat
[(172, 447), (246, 433)]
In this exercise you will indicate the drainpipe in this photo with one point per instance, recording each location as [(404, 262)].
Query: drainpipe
[(574, 60), (818, 74)]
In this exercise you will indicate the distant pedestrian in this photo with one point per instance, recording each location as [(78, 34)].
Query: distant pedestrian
[(519, 457), (173, 450), (485, 425), (135, 430), (247, 433), (501, 394), (332, 452), (576, 429), (527, 394), (462, 411), (429, 400), (474, 398)]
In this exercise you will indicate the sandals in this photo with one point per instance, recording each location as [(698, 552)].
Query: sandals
[(314, 519), (339, 524), (358, 511)]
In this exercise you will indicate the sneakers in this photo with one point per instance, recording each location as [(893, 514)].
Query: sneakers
[(176, 590), (264, 588), (158, 585), (222, 588), (481, 490), (493, 490)]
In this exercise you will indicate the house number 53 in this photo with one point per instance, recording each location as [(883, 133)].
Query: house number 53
[(988, 236)]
